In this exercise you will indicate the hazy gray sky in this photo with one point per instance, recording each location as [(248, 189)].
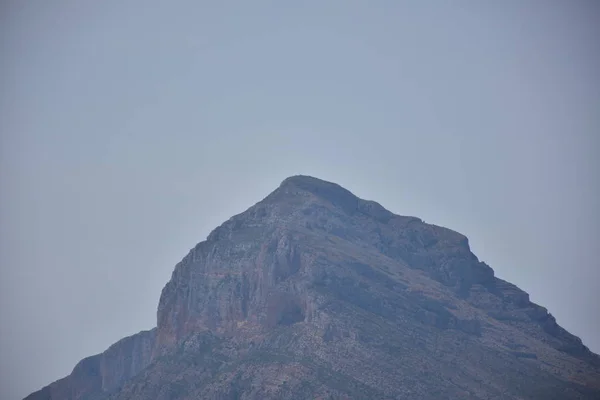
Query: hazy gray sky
[(130, 129)]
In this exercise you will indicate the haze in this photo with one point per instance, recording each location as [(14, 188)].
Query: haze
[(130, 129)]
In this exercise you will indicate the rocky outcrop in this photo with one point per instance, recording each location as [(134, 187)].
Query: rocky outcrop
[(315, 293), (98, 375)]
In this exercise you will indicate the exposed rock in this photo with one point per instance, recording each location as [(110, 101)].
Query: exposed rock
[(315, 293), (103, 373)]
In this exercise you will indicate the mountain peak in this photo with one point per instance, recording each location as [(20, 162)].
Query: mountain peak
[(303, 179), (316, 293), (318, 187), (307, 182)]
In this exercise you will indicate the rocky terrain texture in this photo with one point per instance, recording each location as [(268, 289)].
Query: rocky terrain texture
[(313, 293)]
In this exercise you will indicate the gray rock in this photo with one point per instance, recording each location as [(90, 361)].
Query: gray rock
[(315, 293)]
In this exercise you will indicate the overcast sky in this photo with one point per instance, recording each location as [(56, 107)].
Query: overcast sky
[(130, 129)]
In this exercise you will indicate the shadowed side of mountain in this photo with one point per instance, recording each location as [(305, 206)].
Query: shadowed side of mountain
[(444, 255)]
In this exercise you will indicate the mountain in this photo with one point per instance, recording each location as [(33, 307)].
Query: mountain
[(313, 293)]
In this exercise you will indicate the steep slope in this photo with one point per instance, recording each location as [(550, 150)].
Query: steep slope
[(315, 293), (102, 373)]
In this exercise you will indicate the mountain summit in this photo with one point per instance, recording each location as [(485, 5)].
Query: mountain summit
[(314, 293)]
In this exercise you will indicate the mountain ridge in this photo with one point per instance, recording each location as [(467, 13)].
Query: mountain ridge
[(310, 247)]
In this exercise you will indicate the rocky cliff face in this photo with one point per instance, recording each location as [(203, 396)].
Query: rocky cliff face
[(103, 373), (315, 293)]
